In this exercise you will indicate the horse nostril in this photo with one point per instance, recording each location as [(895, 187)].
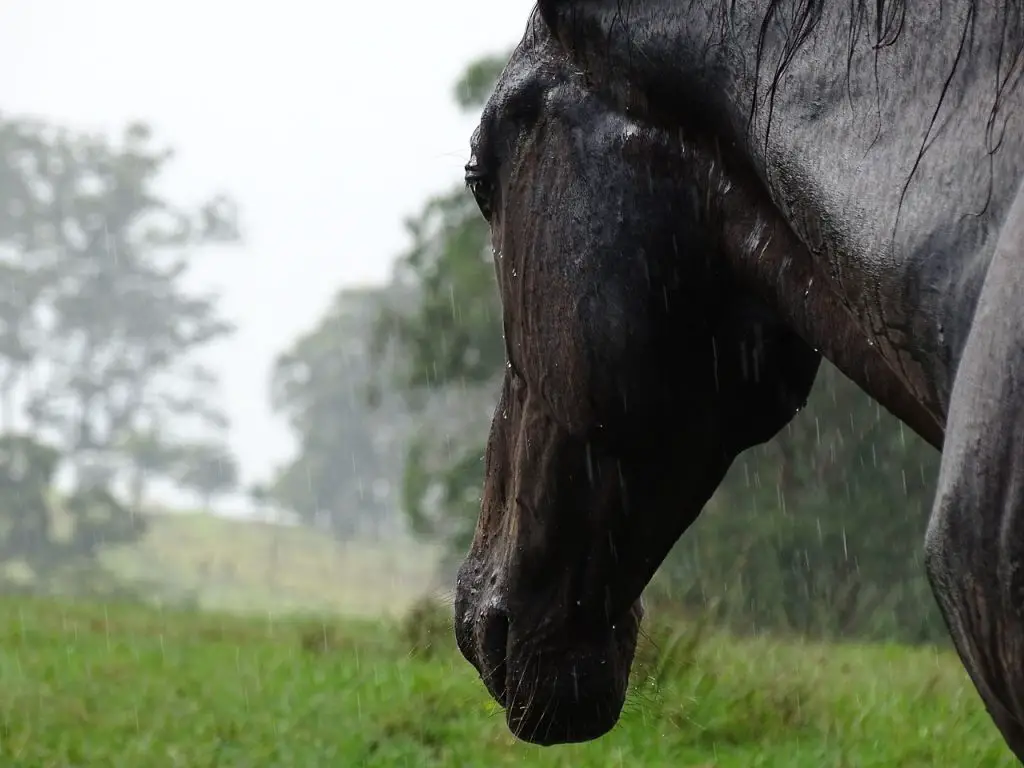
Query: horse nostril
[(494, 653)]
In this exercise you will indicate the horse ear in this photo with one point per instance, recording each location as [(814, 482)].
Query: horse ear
[(559, 17), (765, 374)]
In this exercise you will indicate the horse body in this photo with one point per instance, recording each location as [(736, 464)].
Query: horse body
[(848, 174)]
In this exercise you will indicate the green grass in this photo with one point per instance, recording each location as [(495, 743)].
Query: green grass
[(228, 564), (88, 685)]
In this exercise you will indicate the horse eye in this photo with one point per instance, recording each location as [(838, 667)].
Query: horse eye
[(480, 185)]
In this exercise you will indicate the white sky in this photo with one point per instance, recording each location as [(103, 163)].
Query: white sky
[(327, 122)]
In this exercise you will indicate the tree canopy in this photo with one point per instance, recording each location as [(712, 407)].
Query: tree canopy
[(98, 376)]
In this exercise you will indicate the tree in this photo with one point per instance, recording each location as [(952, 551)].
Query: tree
[(208, 469), (344, 475), (451, 336), (818, 531), (100, 332), (149, 454), (454, 332), (97, 332), (47, 539), (320, 384), (27, 470)]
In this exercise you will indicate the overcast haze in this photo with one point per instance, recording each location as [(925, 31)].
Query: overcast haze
[(328, 123)]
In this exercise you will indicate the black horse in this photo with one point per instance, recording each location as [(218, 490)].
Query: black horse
[(890, 139), (638, 367), (707, 193)]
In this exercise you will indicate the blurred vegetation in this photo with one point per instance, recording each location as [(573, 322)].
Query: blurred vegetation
[(368, 348), (319, 384), (246, 566), (101, 395), (140, 687), (818, 531)]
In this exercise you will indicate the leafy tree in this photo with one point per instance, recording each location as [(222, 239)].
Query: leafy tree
[(344, 472), (320, 384), (27, 470), (97, 335), (820, 529), (99, 332), (208, 469), (451, 338), (474, 87), (43, 538), (149, 454), (454, 334)]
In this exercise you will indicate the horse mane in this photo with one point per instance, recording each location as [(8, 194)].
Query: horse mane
[(536, 39), (882, 24), (534, 52), (885, 20)]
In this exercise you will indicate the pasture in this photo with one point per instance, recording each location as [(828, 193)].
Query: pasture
[(121, 685), (244, 566)]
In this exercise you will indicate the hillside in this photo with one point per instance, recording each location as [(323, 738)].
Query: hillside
[(248, 566)]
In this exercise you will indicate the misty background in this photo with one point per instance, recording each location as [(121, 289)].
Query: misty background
[(325, 140)]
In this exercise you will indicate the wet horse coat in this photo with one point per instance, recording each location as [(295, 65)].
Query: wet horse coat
[(872, 159), (890, 139), (638, 367)]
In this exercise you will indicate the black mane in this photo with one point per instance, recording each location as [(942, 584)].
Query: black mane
[(885, 21), (992, 48)]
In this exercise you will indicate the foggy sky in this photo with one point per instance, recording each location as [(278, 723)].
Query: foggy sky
[(327, 123)]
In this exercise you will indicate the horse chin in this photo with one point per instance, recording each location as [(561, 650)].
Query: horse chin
[(570, 696)]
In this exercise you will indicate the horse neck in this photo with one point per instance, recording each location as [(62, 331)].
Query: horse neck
[(768, 258)]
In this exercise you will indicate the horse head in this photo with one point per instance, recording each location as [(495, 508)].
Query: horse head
[(637, 369)]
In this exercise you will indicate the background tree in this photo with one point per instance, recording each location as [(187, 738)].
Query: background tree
[(98, 335), (119, 330), (42, 541), (819, 530), (451, 338), (208, 469), (344, 451), (149, 455)]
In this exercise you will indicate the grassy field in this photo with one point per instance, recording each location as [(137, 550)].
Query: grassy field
[(93, 685), (245, 566)]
